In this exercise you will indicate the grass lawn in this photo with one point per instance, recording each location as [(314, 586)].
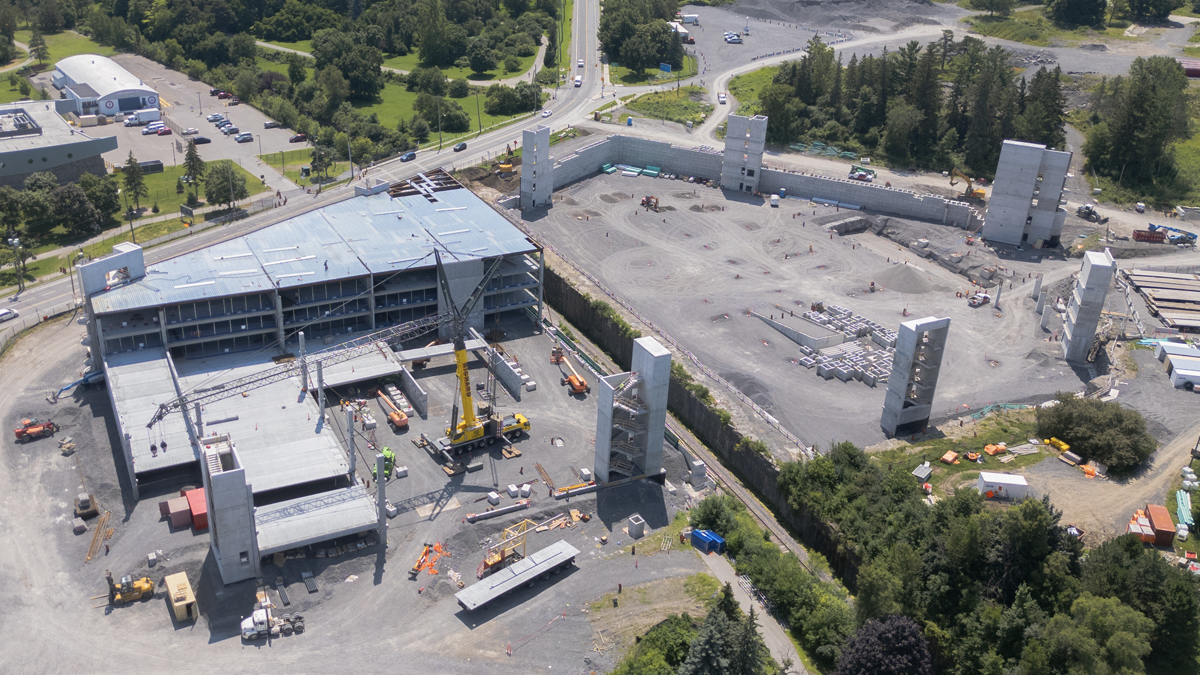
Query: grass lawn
[(745, 88), (162, 188), (1031, 27), (10, 94), (289, 162), (396, 103), (1014, 427), (1193, 543), (301, 46), (567, 56), (411, 61), (67, 43), (1183, 188), (681, 105), (624, 75)]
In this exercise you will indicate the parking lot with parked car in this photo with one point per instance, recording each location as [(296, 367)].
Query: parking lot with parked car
[(186, 104)]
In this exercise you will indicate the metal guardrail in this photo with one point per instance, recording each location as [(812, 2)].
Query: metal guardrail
[(806, 450)]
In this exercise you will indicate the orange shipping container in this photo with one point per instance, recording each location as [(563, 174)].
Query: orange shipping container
[(949, 457), (1160, 522)]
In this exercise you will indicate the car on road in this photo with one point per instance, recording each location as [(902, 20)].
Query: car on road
[(547, 113), (408, 157), (8, 314), (721, 98), (234, 101), (215, 117), (213, 92), (231, 130), (165, 131), (191, 131), (460, 147), (201, 140), (579, 64), (733, 40), (224, 95), (151, 130), (271, 124), (298, 138)]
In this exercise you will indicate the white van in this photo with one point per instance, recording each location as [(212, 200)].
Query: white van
[(775, 201), (578, 80)]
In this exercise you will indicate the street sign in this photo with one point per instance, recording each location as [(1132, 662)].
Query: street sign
[(185, 210), (665, 67)]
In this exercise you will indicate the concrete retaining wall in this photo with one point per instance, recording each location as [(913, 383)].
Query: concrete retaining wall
[(416, 395), (818, 338), (759, 472), (639, 152), (505, 370), (855, 194)]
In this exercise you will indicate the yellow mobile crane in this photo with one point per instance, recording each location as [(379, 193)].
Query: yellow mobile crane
[(472, 431)]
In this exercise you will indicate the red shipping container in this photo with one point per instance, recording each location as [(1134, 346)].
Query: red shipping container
[(198, 505), (1160, 521)]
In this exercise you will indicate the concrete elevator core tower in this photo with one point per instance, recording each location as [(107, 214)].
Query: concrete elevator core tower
[(1087, 303), (745, 139), (1026, 196), (537, 169), (632, 414), (915, 367)]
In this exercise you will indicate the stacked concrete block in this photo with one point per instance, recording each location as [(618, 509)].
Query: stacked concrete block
[(1087, 303), (1026, 195)]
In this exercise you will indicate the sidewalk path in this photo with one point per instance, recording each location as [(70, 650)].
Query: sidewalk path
[(775, 637), (511, 81)]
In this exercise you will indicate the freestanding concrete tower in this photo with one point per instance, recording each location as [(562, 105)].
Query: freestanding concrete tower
[(1087, 302), (632, 414), (1025, 197), (537, 169), (745, 139), (915, 367)]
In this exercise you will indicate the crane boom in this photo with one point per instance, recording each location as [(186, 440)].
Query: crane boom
[(333, 355)]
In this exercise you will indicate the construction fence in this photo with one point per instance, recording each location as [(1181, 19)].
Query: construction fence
[(10, 331)]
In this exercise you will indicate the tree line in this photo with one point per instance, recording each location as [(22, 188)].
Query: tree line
[(945, 104), (635, 33)]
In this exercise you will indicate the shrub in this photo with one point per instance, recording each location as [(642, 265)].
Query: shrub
[(1101, 430)]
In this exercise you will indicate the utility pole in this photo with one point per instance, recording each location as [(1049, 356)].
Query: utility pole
[(129, 213), (478, 115), (440, 123)]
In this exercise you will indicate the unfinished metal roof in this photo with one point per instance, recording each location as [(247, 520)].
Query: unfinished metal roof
[(313, 519), (220, 270), (366, 234)]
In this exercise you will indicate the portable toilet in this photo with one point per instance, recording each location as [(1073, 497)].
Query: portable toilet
[(783, 193)]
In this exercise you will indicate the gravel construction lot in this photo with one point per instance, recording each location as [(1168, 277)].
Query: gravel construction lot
[(870, 16), (47, 587), (696, 269)]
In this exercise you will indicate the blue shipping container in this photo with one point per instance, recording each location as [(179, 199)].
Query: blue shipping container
[(707, 541)]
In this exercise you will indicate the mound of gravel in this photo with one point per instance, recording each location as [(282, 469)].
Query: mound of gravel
[(903, 279)]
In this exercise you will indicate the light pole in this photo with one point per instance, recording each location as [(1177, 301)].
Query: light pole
[(125, 196), (18, 263), (478, 114)]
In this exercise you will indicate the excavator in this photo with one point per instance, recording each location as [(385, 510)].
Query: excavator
[(128, 590), (472, 431), (972, 193), (650, 202), (577, 384)]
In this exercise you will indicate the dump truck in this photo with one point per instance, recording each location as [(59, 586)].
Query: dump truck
[(576, 382), (263, 622), (31, 429), (128, 590)]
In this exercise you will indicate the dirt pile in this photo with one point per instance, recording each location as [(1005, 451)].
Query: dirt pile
[(903, 279), (868, 16)]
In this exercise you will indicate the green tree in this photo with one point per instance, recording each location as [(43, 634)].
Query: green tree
[(748, 652), (103, 194), (433, 39), (727, 604), (481, 55), (320, 161), (194, 165), (717, 513), (994, 7), (708, 653), (245, 84), (335, 86), (69, 206), (550, 60), (297, 72), (891, 646), (37, 47), (135, 182), (1077, 12), (225, 185), (1102, 430), (877, 590), (902, 122), (459, 88), (1100, 635), (419, 130), (639, 52)]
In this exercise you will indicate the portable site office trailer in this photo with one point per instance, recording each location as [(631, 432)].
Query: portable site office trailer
[(1002, 485), (183, 600)]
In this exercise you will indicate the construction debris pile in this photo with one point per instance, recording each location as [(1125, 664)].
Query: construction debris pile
[(856, 359)]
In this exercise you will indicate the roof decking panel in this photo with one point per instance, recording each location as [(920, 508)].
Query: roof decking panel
[(313, 519), (139, 382), (304, 250)]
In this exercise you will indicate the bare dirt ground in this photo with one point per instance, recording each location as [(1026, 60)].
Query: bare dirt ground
[(638, 609)]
